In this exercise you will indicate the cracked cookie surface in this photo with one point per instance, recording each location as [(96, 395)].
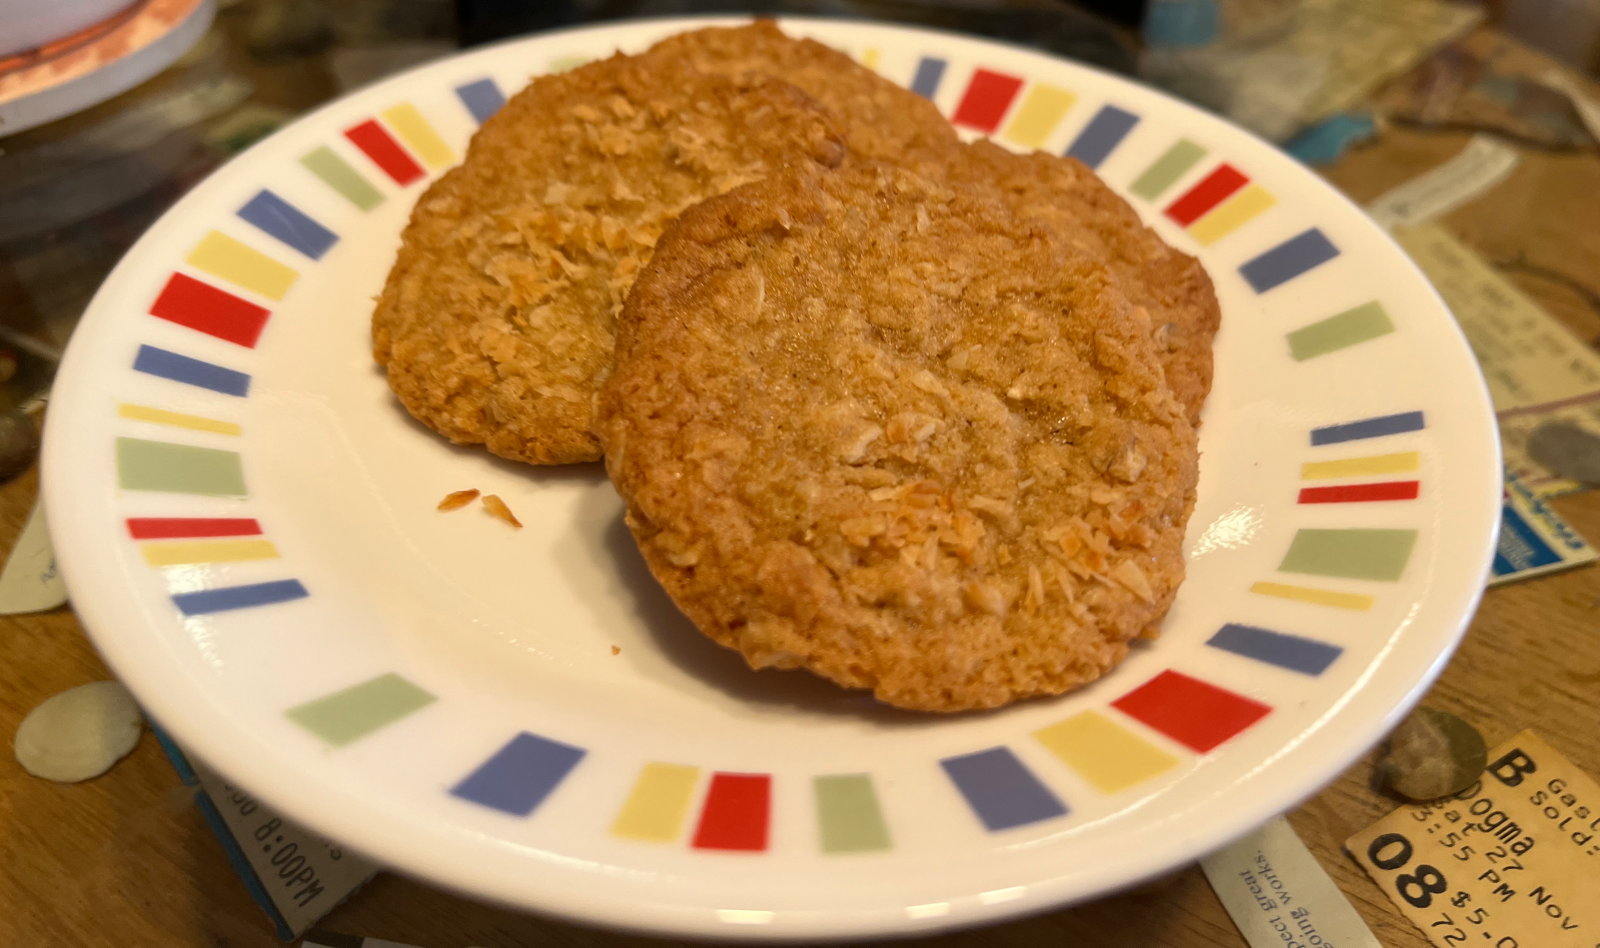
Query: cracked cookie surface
[(496, 322), (900, 435), (1171, 285)]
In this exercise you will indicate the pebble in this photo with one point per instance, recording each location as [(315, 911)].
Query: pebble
[(79, 733), (1567, 450), (1433, 754)]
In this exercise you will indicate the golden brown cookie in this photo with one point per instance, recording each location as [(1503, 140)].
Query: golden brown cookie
[(495, 325), (899, 435), (1170, 284), (881, 120)]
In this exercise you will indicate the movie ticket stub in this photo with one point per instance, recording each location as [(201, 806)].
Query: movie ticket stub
[(1513, 861)]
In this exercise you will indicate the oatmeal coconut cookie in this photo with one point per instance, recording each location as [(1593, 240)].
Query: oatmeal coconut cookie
[(880, 120), (900, 435), (495, 325)]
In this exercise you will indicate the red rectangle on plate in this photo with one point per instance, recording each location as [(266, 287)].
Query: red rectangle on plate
[(1192, 712), (173, 528), (188, 302), (984, 103), (384, 151), (735, 813), (1210, 192), (1356, 493)]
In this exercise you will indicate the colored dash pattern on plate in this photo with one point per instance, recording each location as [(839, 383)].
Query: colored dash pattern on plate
[(1213, 207), (1039, 111), (228, 296), (349, 714), (1378, 555), (181, 541), (1217, 205)]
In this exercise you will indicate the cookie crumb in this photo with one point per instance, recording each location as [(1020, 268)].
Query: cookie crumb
[(496, 506), (457, 499), (616, 650)]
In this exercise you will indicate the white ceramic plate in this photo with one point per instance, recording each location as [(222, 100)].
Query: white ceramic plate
[(246, 520)]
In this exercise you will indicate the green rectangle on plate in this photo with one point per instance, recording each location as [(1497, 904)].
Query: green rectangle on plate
[(1367, 321), (1353, 554), (848, 814), (349, 715), (178, 468), (1167, 169), (337, 174)]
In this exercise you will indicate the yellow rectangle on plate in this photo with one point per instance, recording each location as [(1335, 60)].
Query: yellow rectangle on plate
[(207, 551), (415, 131), (242, 265), (1320, 597), (1360, 467), (1041, 110), (656, 806), (1105, 753), (1231, 214), (177, 419)]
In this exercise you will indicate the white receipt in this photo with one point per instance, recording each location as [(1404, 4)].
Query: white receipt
[(30, 581), (1480, 166), (1279, 895)]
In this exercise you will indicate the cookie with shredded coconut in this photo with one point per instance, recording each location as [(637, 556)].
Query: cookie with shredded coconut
[(881, 120), (495, 325), (1170, 285), (899, 435)]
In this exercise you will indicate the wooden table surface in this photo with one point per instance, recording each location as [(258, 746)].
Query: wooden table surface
[(127, 860)]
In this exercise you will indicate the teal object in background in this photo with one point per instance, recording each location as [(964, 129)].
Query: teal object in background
[(1324, 142), (1182, 23)]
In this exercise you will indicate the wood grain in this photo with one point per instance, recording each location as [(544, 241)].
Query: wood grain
[(126, 860)]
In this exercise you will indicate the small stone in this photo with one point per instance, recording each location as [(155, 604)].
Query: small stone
[(79, 733), (1433, 754), (1567, 450)]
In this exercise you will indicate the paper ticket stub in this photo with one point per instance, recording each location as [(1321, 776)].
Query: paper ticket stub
[(1533, 540), (1536, 369), (1480, 166), (301, 875), (30, 581), (1279, 895), (1513, 861)]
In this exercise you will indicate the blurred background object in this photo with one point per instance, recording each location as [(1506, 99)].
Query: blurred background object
[(1569, 30), (1081, 31), (30, 24), (160, 94)]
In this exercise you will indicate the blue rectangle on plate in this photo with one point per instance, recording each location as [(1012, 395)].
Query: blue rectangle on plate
[(1307, 656), (926, 82), (1290, 259), (482, 98), (278, 218), (239, 597), (520, 775), (1000, 790), (1103, 133), (180, 368), (1368, 428)]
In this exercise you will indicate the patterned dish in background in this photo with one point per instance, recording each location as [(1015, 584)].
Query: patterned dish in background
[(246, 520)]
